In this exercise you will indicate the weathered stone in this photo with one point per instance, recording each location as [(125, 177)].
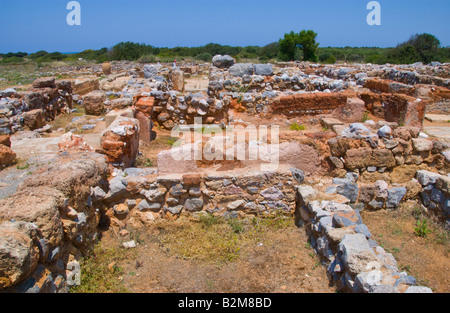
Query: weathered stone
[(418, 289), (443, 184), (6, 155), (422, 145), (356, 253), (121, 209), (263, 69), (150, 71), (45, 82), (175, 210), (347, 219), (404, 173), (223, 61), (305, 194), (241, 69), (413, 188), (236, 205), (367, 193), (363, 229), (348, 190), (272, 193), (298, 175), (193, 205), (385, 132), (395, 196), (94, 102), (19, 252), (426, 178), (39, 205), (357, 158), (383, 158)]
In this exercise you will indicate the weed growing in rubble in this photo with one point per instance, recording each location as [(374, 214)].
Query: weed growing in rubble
[(365, 117), (297, 127), (422, 229)]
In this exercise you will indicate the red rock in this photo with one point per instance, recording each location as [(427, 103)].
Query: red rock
[(192, 179), (6, 155)]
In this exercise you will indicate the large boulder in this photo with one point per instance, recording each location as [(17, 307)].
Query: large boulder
[(107, 69), (19, 252), (6, 155), (45, 82), (241, 69), (34, 119), (72, 173), (178, 80), (223, 61), (94, 102), (40, 206), (263, 69)]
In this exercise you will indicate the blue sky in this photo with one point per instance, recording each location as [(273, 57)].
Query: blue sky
[(32, 25)]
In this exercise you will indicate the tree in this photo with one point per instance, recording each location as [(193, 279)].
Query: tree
[(290, 44), (307, 40), (426, 45)]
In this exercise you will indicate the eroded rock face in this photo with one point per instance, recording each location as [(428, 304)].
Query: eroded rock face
[(40, 206), (19, 252), (70, 173)]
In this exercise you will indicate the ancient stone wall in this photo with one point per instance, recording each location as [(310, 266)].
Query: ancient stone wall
[(356, 263)]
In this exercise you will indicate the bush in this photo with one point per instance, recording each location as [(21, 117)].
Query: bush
[(130, 51), (150, 58), (12, 60), (207, 57)]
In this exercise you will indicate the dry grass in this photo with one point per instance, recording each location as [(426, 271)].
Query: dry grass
[(424, 255), (217, 240), (207, 255)]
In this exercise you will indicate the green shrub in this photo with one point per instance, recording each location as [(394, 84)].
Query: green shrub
[(297, 127), (422, 229), (207, 57)]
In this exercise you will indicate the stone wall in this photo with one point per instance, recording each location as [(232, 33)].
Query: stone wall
[(435, 194), (31, 110), (356, 263), (140, 193)]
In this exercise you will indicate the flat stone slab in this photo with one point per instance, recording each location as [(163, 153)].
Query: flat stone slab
[(438, 131), (441, 118), (31, 147), (330, 122)]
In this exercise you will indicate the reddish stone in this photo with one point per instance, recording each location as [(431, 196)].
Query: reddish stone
[(192, 179)]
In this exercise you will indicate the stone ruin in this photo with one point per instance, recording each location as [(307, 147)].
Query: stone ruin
[(54, 215)]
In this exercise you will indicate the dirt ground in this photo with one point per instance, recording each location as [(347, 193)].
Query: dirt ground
[(425, 258), (185, 256)]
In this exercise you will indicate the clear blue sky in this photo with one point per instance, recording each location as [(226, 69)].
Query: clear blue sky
[(32, 25)]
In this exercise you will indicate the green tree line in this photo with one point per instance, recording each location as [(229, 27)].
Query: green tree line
[(292, 46)]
